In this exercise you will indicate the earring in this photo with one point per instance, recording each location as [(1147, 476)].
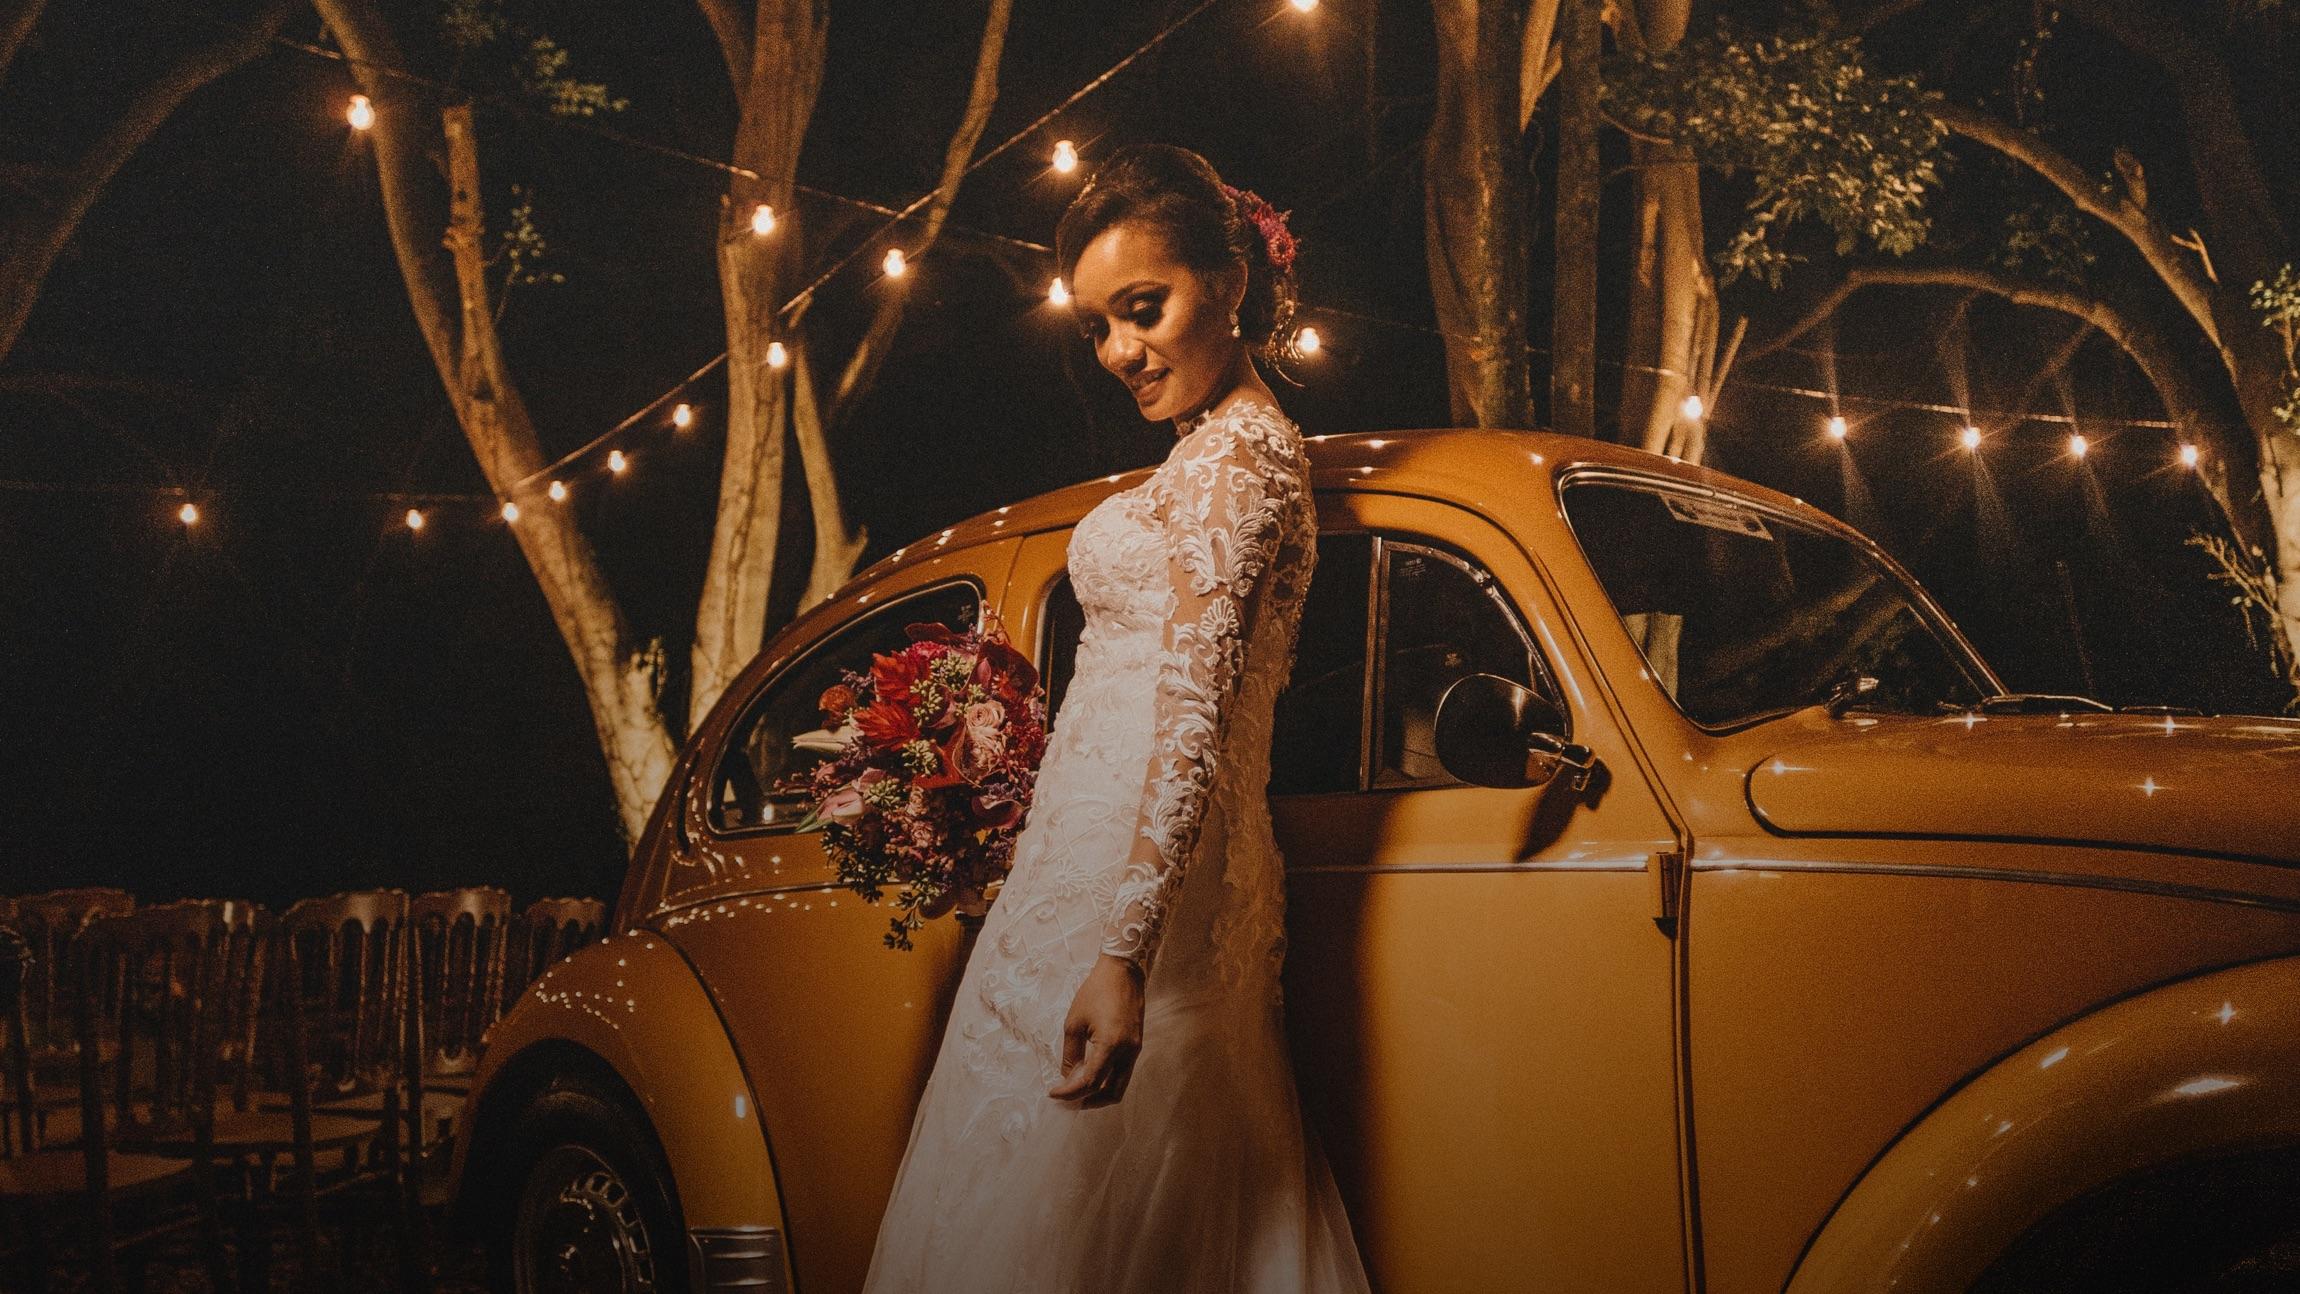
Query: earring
[(1234, 323)]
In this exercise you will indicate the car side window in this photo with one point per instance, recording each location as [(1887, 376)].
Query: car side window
[(1318, 731), (759, 753), (1320, 717), (1442, 618)]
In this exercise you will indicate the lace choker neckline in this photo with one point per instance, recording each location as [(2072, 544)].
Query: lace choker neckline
[(1235, 409)]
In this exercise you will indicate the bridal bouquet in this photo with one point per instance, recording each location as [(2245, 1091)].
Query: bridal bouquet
[(933, 757)]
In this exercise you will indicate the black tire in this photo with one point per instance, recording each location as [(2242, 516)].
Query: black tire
[(586, 1205)]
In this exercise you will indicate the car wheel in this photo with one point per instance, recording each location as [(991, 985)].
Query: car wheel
[(588, 1209)]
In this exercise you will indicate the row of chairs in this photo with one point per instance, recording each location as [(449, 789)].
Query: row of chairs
[(210, 1068)]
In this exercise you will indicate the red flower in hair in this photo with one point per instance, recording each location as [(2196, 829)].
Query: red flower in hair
[(1271, 221)]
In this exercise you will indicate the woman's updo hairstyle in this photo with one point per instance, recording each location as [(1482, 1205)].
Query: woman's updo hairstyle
[(1178, 193)]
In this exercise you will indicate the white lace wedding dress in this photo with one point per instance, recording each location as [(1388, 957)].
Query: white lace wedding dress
[(1149, 837)]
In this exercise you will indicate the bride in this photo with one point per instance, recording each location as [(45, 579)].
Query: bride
[(1112, 1108)]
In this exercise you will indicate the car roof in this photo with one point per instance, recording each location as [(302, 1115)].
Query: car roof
[(1458, 464)]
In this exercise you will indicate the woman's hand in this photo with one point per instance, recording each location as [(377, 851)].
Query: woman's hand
[(1103, 1034)]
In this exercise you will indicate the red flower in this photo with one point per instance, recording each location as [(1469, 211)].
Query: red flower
[(886, 726), (836, 700)]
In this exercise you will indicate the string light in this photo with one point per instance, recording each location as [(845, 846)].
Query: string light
[(777, 356), (1837, 427), (1058, 293), (415, 518), (2188, 455), (2077, 444), (1972, 436), (1692, 408), (360, 113), (895, 263), (559, 491), (615, 460), (1065, 156), (762, 220), (1307, 341), (683, 416), (188, 514), (510, 510)]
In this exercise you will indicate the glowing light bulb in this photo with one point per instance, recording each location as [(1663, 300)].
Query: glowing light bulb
[(1972, 437), (1308, 342), (188, 514), (361, 112), (777, 356), (895, 264), (615, 460), (510, 510), (558, 491), (762, 220), (1692, 408), (1065, 156), (1837, 427), (1304, 6), (2077, 444), (2188, 455), (415, 518), (1058, 293), (683, 415)]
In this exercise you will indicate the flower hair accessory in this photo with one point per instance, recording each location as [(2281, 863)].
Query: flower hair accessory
[(1271, 221)]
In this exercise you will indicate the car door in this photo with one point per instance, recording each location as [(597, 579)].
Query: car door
[(836, 1032), (1478, 996)]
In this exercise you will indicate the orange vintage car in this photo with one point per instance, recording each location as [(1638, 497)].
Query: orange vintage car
[(1676, 902)]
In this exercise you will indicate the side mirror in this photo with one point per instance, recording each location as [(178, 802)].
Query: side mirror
[(1495, 732)]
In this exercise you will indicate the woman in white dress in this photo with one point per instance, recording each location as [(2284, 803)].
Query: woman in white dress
[(1113, 1108)]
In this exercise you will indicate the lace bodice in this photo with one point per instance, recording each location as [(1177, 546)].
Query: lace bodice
[(1204, 565)]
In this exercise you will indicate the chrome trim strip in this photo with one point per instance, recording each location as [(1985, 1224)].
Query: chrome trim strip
[(737, 1258), (2124, 884), (1347, 869)]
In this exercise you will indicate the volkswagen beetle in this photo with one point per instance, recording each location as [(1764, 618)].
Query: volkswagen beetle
[(1676, 902)]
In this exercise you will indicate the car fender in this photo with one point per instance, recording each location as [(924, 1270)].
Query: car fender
[(671, 1056), (2197, 1067)]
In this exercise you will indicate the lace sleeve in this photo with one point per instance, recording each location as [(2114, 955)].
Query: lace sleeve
[(1221, 499)]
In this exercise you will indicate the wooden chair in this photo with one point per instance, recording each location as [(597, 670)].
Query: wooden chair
[(51, 923), (342, 1006), (548, 930), (152, 1012), (462, 939)]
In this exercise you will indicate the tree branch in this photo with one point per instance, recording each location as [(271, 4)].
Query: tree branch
[(31, 243), (17, 18), (2171, 262), (2148, 350), (862, 366), (733, 29), (2235, 198)]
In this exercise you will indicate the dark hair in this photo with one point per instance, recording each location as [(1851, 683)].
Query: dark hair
[(1178, 193)]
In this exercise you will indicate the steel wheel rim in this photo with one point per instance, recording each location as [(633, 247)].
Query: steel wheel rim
[(579, 1229)]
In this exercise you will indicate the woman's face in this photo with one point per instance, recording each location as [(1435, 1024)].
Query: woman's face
[(1160, 326)]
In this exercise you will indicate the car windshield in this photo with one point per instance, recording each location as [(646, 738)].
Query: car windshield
[(1743, 613)]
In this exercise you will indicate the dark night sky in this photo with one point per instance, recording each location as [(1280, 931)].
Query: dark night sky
[(300, 695)]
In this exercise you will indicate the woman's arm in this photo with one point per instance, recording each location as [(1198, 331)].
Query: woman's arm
[(1223, 500)]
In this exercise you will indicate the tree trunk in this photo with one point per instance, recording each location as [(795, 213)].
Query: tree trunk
[(1474, 198), (1573, 315), (36, 232), (1672, 331), (441, 260), (774, 56)]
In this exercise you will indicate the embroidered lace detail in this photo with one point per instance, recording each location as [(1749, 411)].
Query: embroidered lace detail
[(1232, 506)]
